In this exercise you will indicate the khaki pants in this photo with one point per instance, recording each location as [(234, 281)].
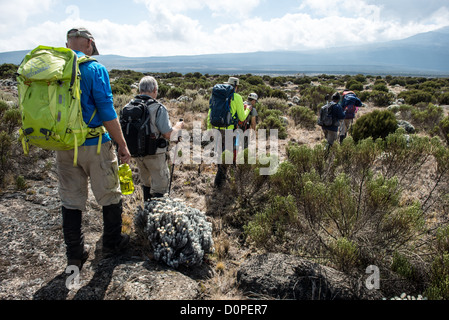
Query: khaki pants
[(154, 172), (344, 126), (331, 136), (102, 170)]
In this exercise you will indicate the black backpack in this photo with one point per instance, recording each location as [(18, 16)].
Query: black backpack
[(135, 124), (326, 118)]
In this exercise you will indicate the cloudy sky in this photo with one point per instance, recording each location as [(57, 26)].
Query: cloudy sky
[(142, 28)]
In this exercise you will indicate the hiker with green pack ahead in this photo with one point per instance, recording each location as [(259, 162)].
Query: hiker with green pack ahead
[(100, 165)]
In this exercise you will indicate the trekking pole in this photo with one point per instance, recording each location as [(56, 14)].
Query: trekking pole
[(173, 162)]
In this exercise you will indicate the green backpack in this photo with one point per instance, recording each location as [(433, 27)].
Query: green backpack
[(50, 101)]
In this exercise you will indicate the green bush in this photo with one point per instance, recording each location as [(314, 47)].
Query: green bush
[(380, 87), (444, 98), (381, 98), (276, 93), (7, 70), (314, 97), (303, 116), (439, 277), (439, 288), (11, 120), (415, 96), (444, 127), (344, 254), (346, 210), (377, 124), (402, 266), (426, 118), (273, 222), (5, 152), (120, 88), (273, 104), (272, 120), (354, 85), (175, 93)]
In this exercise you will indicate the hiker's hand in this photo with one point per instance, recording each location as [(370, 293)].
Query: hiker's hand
[(179, 125), (124, 155)]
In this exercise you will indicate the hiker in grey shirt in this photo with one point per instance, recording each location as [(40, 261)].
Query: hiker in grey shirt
[(153, 169)]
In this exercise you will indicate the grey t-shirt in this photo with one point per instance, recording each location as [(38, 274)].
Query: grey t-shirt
[(162, 121)]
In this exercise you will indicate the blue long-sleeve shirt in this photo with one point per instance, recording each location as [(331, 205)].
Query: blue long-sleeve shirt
[(96, 94)]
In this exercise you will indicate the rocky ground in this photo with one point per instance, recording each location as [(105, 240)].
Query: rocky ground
[(33, 262)]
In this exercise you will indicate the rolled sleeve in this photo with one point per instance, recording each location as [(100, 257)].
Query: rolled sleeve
[(163, 122)]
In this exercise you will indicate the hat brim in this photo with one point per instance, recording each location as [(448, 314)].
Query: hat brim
[(95, 50)]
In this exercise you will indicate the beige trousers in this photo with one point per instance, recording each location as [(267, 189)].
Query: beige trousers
[(331, 136), (102, 170), (154, 172), (344, 126)]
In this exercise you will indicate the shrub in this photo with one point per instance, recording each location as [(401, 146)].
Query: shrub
[(377, 124), (314, 97), (175, 93), (402, 266), (380, 87), (273, 103), (439, 286), (7, 70), (381, 98), (3, 107), (444, 127), (345, 200), (354, 85), (120, 88), (276, 93), (5, 152), (273, 121), (427, 117), (415, 96), (11, 119), (273, 222), (304, 116), (444, 98), (344, 254), (255, 80)]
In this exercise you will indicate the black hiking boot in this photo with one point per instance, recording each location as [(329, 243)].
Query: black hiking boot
[(80, 262), (220, 177), (146, 194), (114, 242), (76, 252)]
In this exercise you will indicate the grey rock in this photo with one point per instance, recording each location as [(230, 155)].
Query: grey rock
[(282, 276)]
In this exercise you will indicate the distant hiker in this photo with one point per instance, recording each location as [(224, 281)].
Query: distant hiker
[(350, 104), (251, 120), (102, 168), (329, 119), (153, 120), (225, 110)]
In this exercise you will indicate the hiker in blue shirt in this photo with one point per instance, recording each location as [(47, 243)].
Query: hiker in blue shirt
[(331, 132), (101, 169)]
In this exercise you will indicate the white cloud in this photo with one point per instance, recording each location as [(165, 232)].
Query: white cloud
[(228, 7), (17, 11), (175, 27)]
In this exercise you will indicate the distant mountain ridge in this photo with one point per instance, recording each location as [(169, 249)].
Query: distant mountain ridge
[(422, 54)]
